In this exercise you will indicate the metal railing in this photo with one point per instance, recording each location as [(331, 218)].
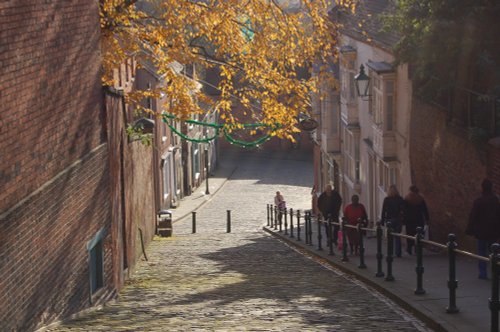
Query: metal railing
[(275, 218)]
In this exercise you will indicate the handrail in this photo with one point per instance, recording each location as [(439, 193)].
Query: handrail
[(297, 212), (468, 254), (450, 247), (435, 244)]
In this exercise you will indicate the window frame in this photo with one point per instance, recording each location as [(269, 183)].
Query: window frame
[(379, 104), (95, 252), (348, 70)]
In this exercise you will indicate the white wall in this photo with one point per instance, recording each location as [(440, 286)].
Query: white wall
[(364, 54)]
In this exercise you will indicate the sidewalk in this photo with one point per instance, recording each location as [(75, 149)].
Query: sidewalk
[(198, 197), (472, 293)]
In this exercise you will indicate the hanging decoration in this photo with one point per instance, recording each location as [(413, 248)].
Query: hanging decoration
[(168, 118)]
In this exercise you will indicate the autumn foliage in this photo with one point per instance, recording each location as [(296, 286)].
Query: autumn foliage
[(257, 45)]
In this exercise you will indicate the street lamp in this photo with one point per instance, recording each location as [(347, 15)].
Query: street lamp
[(145, 125), (207, 191), (362, 83), (305, 122)]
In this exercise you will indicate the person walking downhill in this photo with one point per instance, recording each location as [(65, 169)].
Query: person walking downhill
[(354, 212), (484, 223), (329, 203), (415, 214), (280, 203), (392, 211)]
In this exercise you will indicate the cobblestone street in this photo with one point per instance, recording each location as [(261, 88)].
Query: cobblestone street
[(245, 280)]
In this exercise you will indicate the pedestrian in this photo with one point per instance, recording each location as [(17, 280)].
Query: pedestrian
[(484, 223), (329, 203), (392, 211), (415, 214), (354, 212), (314, 201), (279, 202)]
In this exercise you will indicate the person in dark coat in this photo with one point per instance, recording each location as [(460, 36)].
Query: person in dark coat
[(392, 211), (415, 214), (329, 203), (484, 223)]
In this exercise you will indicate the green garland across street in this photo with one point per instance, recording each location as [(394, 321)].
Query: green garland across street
[(225, 131)]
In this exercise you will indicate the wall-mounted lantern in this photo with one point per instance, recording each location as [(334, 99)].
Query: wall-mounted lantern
[(306, 123), (362, 83), (145, 125)]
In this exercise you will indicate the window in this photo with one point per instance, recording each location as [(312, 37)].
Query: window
[(96, 262), (167, 164), (352, 87), (377, 100), (393, 177), (382, 104), (196, 160), (381, 170), (343, 84), (329, 113), (389, 105), (352, 165), (335, 117), (347, 74), (388, 175), (96, 275)]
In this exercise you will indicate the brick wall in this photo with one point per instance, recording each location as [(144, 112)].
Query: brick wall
[(43, 256), (447, 168), (50, 91), (494, 163), (54, 173), (132, 189), (139, 198)]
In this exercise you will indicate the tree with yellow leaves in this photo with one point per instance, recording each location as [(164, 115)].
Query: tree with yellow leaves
[(258, 46)]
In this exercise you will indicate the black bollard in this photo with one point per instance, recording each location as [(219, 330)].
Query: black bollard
[(291, 222), (285, 214), (272, 215), (306, 227), (298, 225), (275, 217), (229, 221), (310, 231), (494, 300), (330, 238), (280, 219), (452, 280), (362, 264), (194, 221), (344, 241), (380, 256), (268, 219), (319, 235), (420, 266), (390, 252)]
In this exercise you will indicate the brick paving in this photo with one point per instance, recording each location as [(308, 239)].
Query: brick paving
[(245, 280)]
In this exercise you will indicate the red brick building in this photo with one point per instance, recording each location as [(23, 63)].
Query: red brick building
[(77, 195)]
